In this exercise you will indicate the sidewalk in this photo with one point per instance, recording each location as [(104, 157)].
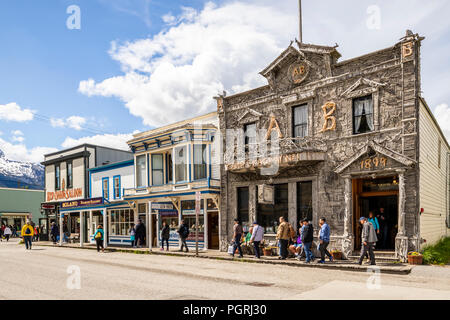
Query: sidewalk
[(344, 265)]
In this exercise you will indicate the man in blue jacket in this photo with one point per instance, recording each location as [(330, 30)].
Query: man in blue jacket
[(324, 239)]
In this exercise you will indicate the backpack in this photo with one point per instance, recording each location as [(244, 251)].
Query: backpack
[(98, 235), (27, 230)]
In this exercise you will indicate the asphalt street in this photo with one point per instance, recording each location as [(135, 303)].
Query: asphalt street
[(65, 273)]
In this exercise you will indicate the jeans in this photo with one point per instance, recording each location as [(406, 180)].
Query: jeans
[(369, 247), (183, 244), (237, 245), (283, 245), (308, 253), (257, 249), (99, 244), (27, 240), (323, 251), (167, 243)]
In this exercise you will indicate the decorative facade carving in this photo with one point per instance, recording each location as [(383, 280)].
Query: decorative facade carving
[(329, 121)]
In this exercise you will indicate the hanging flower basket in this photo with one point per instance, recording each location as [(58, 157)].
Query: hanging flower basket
[(415, 258), (267, 251), (337, 255)]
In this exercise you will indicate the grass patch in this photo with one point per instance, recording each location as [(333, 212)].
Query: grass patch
[(438, 253)]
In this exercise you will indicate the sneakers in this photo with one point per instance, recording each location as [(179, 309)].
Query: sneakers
[(321, 261)]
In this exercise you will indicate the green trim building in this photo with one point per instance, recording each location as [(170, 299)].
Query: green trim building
[(16, 205)]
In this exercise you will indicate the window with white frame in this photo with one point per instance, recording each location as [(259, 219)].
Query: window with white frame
[(116, 187), (157, 169), (200, 165), (141, 169), (105, 188), (180, 164), (121, 222)]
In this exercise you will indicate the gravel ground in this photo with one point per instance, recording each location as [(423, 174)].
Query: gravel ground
[(42, 273)]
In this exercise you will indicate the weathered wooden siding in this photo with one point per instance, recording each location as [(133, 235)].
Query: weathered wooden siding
[(433, 179)]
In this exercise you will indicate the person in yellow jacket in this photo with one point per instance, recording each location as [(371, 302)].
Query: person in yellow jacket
[(283, 237), (27, 234)]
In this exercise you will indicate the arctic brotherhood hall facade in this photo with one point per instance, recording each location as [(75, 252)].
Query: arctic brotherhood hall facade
[(322, 139), (354, 136)]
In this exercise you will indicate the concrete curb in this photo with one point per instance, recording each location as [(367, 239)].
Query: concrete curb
[(400, 270)]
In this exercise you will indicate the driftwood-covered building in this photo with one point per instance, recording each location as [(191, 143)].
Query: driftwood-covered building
[(336, 139)]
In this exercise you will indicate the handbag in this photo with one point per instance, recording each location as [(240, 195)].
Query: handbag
[(133, 237)]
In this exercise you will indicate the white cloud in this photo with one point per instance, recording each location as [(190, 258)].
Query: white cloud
[(175, 74), (74, 122), (17, 133), (116, 141), (19, 152), (13, 112), (442, 114), (18, 139)]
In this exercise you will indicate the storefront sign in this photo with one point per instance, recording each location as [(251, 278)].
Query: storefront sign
[(162, 206), (81, 203), (46, 206), (191, 212), (64, 194), (266, 194)]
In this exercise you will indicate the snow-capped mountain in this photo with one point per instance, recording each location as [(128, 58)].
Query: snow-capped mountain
[(17, 174)]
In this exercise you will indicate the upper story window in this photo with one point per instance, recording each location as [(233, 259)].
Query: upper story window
[(363, 115), (116, 187), (300, 121), (250, 133), (140, 170), (57, 177), (69, 174), (200, 161), (105, 188), (157, 169), (180, 164), (169, 168)]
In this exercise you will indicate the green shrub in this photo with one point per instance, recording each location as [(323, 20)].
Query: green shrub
[(438, 253)]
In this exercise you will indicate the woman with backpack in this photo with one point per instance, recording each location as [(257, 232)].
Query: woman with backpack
[(132, 232), (98, 236)]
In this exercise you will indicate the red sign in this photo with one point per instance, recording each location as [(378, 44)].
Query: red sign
[(65, 194)]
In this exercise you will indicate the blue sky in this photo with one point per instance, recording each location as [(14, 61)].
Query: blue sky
[(136, 64)]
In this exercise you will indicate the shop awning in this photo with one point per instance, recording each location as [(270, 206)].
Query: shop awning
[(14, 214)]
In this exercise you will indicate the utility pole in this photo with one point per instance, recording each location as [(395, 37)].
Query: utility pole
[(300, 33)]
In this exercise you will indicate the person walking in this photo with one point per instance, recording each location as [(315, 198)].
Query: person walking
[(283, 236), (14, 231), (36, 233), (324, 240), (307, 236), (54, 232), (237, 235), (140, 234), (165, 236), (2, 229), (99, 236), (183, 231), (256, 238), (368, 240), (27, 234), (7, 233), (132, 233)]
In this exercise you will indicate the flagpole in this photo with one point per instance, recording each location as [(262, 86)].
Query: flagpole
[(300, 33)]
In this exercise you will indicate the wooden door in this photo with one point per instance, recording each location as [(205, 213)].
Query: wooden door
[(213, 230)]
